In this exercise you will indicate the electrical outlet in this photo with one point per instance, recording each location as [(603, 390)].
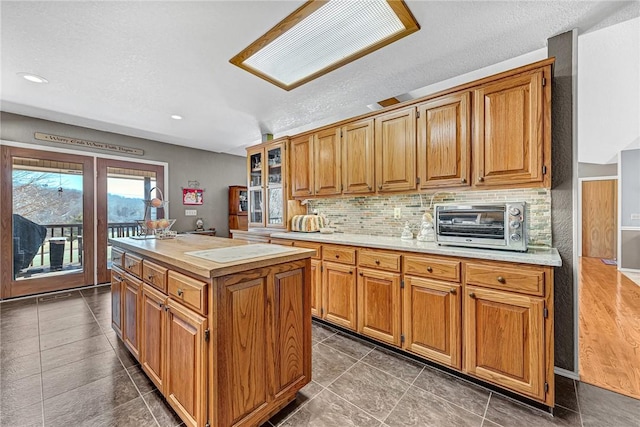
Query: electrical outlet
[(635, 216), (190, 212), (397, 213)]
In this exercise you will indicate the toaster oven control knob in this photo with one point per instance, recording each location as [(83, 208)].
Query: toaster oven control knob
[(515, 237), (515, 224), (513, 211)]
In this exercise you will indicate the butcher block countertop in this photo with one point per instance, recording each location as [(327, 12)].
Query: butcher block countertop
[(208, 256)]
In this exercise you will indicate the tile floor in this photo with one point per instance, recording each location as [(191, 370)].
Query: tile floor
[(62, 365)]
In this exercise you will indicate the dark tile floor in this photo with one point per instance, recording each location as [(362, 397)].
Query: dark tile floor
[(62, 365)]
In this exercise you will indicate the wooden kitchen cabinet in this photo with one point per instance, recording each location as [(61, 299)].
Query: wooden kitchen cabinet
[(505, 339), (301, 161), (339, 293), (131, 296), (238, 207), (379, 305), (395, 150), (152, 334), (358, 166), (444, 141), (186, 359), (267, 183), (116, 299), (327, 159), (511, 121), (316, 288), (432, 320)]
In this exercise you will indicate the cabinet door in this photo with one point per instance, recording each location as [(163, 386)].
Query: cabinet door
[(186, 355), (444, 135), (508, 131), (326, 146), (432, 319), (152, 334), (379, 305), (132, 290), (275, 185), (339, 293), (255, 165), (301, 161), (357, 158), (116, 301), (504, 339), (395, 142), (316, 287)]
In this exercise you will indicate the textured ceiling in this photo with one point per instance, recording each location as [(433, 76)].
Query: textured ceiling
[(126, 66)]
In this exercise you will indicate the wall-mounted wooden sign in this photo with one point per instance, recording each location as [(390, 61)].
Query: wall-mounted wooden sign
[(89, 144)]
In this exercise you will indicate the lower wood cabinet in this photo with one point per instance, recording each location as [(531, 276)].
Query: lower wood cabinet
[(379, 305), (116, 300), (131, 295), (432, 320), (153, 322), (505, 339), (316, 288), (186, 363), (339, 294)]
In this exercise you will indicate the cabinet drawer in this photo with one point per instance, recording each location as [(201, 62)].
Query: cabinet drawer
[(154, 275), (521, 279), (310, 245), (117, 256), (189, 291), (133, 264), (339, 254), (283, 242), (434, 268), (379, 260)]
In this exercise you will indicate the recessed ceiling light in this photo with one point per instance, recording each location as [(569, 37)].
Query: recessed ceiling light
[(33, 78), (321, 36), (176, 117)]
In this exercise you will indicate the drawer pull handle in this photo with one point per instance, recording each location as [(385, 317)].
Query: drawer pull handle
[(180, 292), (452, 291), (429, 269), (378, 262), (472, 295), (337, 256), (501, 279), (463, 181), (151, 277)]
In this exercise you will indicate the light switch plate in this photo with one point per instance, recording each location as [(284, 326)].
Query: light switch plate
[(190, 212), (397, 213), (635, 216)]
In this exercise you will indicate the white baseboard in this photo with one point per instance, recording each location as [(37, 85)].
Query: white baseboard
[(565, 373)]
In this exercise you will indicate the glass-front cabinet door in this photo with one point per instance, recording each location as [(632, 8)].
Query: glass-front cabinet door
[(255, 187), (275, 194)]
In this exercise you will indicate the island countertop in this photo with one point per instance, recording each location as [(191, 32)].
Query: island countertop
[(176, 251)]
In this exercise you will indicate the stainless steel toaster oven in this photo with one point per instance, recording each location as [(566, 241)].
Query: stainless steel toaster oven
[(494, 226)]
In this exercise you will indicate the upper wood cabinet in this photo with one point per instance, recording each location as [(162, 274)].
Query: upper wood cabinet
[(509, 136), (358, 167), (444, 141), (301, 161), (327, 171), (267, 183), (395, 150)]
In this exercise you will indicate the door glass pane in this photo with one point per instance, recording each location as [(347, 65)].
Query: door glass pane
[(127, 190), (275, 206), (255, 206), (274, 175), (255, 179), (47, 217)]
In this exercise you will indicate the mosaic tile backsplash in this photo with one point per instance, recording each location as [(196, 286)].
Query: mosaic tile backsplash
[(374, 214)]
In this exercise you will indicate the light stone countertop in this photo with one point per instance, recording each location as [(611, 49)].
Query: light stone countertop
[(535, 255)]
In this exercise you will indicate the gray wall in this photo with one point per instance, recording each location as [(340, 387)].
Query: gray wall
[(562, 47), (630, 204), (215, 171), (590, 170)]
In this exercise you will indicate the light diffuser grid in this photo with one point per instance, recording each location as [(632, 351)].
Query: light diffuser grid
[(336, 30)]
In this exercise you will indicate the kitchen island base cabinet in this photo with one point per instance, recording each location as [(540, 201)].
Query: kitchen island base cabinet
[(131, 295), (153, 320), (116, 300)]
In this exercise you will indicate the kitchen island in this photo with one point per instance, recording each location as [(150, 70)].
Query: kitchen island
[(220, 326)]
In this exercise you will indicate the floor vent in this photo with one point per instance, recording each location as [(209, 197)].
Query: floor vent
[(54, 297)]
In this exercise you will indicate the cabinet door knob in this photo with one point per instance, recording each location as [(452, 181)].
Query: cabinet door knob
[(369, 187), (350, 271), (463, 180), (160, 305), (481, 178), (337, 256), (452, 291), (180, 292), (361, 273), (310, 191), (501, 279), (429, 269), (378, 262), (472, 295), (379, 187)]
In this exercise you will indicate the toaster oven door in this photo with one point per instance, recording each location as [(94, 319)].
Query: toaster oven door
[(479, 226)]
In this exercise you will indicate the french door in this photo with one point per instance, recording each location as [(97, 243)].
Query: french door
[(46, 221)]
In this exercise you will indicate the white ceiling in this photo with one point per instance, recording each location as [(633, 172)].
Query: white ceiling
[(126, 66)]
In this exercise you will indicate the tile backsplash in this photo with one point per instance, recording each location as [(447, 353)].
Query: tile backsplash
[(374, 214)]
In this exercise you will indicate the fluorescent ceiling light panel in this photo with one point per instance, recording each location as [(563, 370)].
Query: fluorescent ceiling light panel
[(322, 36)]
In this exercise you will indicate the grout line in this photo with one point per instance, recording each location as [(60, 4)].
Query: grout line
[(404, 394), (354, 405), (486, 409), (575, 390)]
